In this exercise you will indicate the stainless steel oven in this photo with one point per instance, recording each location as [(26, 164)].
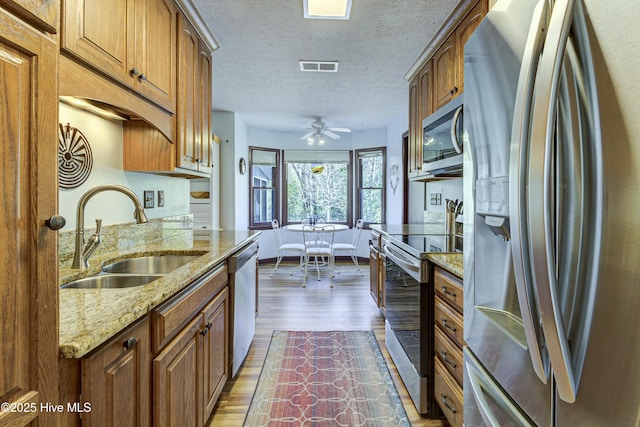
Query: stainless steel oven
[(409, 314)]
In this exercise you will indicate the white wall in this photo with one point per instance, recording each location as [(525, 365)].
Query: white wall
[(105, 140), (394, 157)]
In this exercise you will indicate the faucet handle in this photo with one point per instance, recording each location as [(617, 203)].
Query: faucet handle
[(98, 225)]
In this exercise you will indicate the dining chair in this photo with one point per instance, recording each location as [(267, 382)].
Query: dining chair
[(314, 247), (350, 248), (285, 247)]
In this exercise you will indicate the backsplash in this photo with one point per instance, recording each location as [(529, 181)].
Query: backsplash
[(119, 237)]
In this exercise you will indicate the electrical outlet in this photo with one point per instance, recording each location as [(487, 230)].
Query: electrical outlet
[(149, 199), (435, 199)]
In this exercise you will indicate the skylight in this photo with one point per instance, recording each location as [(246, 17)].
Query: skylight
[(327, 9)]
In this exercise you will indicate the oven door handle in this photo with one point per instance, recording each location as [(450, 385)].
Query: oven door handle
[(403, 263)]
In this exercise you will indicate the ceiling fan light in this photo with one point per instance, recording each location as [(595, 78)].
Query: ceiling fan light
[(320, 140)]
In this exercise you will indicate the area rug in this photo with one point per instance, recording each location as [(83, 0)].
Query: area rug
[(334, 378)]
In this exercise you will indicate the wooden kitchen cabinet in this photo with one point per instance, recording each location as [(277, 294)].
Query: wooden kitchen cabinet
[(42, 14), (194, 141), (421, 94), (116, 380), (446, 70), (29, 267), (463, 32), (192, 366), (448, 343), (131, 41)]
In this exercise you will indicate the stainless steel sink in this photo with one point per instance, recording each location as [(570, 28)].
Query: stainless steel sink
[(158, 264), (112, 281)]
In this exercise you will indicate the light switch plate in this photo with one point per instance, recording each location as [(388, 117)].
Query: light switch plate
[(160, 198)]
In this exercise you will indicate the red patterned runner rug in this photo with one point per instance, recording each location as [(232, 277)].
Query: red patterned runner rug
[(335, 378)]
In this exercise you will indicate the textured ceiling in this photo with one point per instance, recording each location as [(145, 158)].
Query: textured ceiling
[(256, 71)]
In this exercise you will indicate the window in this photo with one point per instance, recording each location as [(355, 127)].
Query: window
[(318, 184), (370, 199), (263, 178)]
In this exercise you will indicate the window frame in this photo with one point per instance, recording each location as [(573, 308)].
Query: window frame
[(276, 188), (285, 192), (359, 180)]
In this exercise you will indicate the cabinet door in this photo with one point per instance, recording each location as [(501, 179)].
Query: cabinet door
[(205, 157), (177, 388), (188, 95), (102, 33), (116, 380), (415, 129), (445, 73), (216, 347), (156, 51), (28, 269), (464, 30)]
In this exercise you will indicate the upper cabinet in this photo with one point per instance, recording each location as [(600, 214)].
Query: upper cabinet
[(131, 41), (194, 100), (42, 14), (437, 77)]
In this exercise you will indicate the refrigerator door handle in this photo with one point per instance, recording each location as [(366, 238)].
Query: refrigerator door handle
[(517, 188), (454, 130), (541, 207)]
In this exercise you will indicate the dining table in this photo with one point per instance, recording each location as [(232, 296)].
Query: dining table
[(298, 228)]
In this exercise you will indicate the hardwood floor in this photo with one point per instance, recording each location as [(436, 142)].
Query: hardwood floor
[(285, 305)]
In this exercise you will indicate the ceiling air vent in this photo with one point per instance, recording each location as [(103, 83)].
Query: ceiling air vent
[(319, 66)]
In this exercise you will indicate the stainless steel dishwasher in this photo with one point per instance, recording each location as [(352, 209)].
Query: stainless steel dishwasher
[(243, 288)]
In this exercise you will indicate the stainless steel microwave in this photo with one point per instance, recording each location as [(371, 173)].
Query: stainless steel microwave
[(442, 141)]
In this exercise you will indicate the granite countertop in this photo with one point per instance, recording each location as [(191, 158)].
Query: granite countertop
[(452, 262), (89, 317)]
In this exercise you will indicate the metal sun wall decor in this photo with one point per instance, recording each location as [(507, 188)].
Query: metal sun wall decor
[(75, 160)]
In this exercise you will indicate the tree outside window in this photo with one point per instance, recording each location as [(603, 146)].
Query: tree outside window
[(371, 178), (318, 186), (263, 176)]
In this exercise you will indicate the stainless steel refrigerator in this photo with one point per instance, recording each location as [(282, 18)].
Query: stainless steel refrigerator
[(552, 224)]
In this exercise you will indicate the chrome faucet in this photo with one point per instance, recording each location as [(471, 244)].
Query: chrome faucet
[(84, 251)]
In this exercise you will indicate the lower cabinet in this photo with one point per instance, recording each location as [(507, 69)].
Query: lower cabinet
[(116, 382), (192, 367), (448, 343), (167, 369), (189, 374)]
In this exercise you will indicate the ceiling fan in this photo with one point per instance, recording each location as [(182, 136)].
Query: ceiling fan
[(318, 129)]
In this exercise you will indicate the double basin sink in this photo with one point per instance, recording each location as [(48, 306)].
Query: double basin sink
[(132, 272)]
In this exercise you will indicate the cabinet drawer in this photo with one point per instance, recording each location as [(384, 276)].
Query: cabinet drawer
[(448, 394), (449, 288), (449, 320), (171, 316), (449, 354)]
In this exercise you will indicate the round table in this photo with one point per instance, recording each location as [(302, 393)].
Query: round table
[(298, 227)]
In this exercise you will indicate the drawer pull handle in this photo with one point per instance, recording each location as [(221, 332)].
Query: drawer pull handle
[(448, 292), (444, 402), (450, 362), (128, 344), (447, 325)]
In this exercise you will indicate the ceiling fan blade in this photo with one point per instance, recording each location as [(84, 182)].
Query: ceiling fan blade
[(331, 134), (308, 135), (340, 130)]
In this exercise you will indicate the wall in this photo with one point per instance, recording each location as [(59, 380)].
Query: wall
[(105, 139)]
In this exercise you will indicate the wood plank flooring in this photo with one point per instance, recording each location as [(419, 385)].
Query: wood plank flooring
[(285, 305)]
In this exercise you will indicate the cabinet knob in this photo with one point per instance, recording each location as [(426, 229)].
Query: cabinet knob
[(128, 344), (142, 77), (204, 332), (134, 72), (56, 222), (454, 90)]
